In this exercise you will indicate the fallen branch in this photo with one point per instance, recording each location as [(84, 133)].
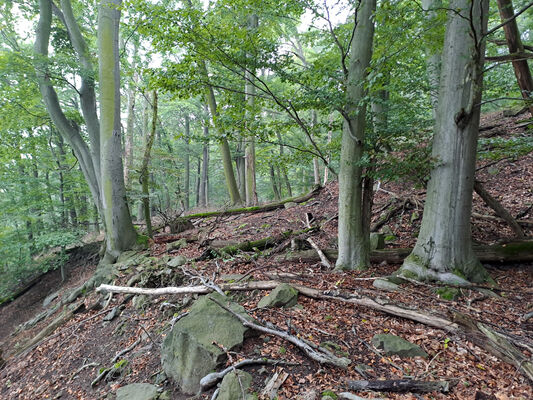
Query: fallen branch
[(401, 385), (499, 209), (211, 379), (126, 350), (318, 354), (323, 259), (270, 390)]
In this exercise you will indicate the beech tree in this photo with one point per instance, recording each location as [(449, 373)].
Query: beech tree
[(100, 159), (354, 251), (443, 250)]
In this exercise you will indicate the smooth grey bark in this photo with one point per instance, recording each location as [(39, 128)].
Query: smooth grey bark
[(249, 156), (205, 165), (354, 247), (145, 178), (316, 165), (128, 153), (443, 250), (187, 162), (433, 59), (120, 233), (283, 166), (69, 130)]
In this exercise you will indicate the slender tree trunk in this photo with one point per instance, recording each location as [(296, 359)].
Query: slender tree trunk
[(145, 178), (128, 154), (251, 189), (283, 166), (330, 136), (443, 250), (187, 162), (514, 43), (316, 165), (274, 183), (120, 233), (205, 165), (354, 247), (240, 168), (198, 180)]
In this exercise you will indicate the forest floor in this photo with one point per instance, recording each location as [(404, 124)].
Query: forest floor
[(64, 364)]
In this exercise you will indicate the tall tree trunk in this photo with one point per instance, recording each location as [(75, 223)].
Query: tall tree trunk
[(205, 165), (240, 167), (198, 180), (274, 183), (514, 43), (316, 165), (433, 59), (443, 250), (145, 178), (330, 136), (120, 233), (283, 166), (354, 248), (187, 162), (249, 89), (128, 154)]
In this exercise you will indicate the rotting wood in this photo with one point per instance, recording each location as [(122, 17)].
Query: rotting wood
[(255, 209), (270, 390), (512, 252), (400, 385), (315, 353)]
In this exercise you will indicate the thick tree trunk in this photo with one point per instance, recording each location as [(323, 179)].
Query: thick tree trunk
[(443, 250), (120, 234), (354, 245), (514, 43)]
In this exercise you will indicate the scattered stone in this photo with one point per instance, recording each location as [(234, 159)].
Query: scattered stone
[(177, 261), (377, 241), (385, 284), (188, 352), (328, 397), (234, 277), (448, 293), (164, 396), (290, 204), (395, 345), (526, 317), (234, 385), (178, 244), (49, 299), (160, 378), (140, 302), (488, 292), (112, 314), (283, 295), (137, 391), (351, 396), (307, 395)]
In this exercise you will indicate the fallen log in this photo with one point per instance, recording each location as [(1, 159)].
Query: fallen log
[(512, 252), (401, 385), (255, 209)]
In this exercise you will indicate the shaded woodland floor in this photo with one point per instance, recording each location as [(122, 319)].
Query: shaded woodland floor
[(64, 364)]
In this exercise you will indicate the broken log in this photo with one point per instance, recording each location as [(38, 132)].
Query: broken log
[(401, 385), (512, 252), (255, 209)]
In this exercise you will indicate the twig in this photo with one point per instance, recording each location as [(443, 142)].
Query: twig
[(323, 259), (126, 350), (318, 355)]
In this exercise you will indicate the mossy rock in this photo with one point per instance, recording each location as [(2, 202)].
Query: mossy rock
[(283, 295), (234, 385), (395, 345)]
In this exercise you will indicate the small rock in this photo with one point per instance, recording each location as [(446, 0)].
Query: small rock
[(283, 295), (112, 314), (178, 244), (351, 396), (177, 261), (377, 241), (385, 284), (140, 301), (327, 397), (290, 204), (308, 395), (234, 385), (395, 345), (137, 391)]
